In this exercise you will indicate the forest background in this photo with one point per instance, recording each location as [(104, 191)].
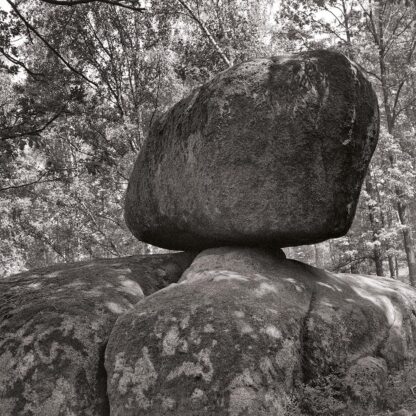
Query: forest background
[(82, 80)]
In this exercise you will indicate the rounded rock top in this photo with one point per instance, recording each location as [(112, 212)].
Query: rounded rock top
[(271, 152)]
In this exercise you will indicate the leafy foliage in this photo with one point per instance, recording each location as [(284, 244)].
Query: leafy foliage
[(76, 114), (81, 85), (380, 37)]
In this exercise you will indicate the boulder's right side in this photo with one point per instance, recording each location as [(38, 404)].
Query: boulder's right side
[(248, 333)]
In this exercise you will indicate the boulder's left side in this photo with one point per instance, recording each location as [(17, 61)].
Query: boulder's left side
[(54, 327)]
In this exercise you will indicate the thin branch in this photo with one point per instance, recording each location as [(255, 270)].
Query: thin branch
[(394, 35), (328, 29), (396, 99), (33, 132), (354, 260), (334, 6), (118, 3), (88, 212), (122, 175), (392, 16), (35, 182), (206, 32), (370, 22), (19, 63), (97, 38), (43, 39), (157, 93), (409, 59), (334, 15), (384, 8), (373, 74), (410, 104), (411, 49), (39, 235)]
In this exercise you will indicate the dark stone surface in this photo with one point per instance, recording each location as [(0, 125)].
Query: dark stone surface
[(248, 333), (271, 152), (54, 326)]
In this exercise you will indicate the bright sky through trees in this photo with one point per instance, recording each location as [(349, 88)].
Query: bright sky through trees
[(93, 81)]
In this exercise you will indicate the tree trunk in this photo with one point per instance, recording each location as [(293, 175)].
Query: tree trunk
[(354, 268), (378, 260), (392, 267), (408, 242), (390, 108), (385, 224), (375, 227), (397, 266)]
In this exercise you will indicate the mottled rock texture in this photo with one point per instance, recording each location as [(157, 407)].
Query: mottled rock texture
[(54, 326), (270, 152), (247, 333)]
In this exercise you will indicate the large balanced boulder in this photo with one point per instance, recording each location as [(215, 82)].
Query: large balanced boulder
[(248, 333), (54, 326), (270, 152)]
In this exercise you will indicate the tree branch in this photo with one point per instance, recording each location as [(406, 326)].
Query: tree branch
[(35, 182), (354, 260), (394, 33), (370, 22), (396, 99), (32, 132), (206, 32), (373, 74), (119, 3), (405, 107), (334, 15), (31, 28), (19, 63)]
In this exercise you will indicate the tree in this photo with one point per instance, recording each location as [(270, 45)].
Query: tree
[(381, 37), (63, 197)]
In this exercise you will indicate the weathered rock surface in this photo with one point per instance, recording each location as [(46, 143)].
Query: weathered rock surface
[(270, 152), (247, 333), (54, 326)]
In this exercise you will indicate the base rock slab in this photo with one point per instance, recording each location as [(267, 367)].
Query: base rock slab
[(247, 333)]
